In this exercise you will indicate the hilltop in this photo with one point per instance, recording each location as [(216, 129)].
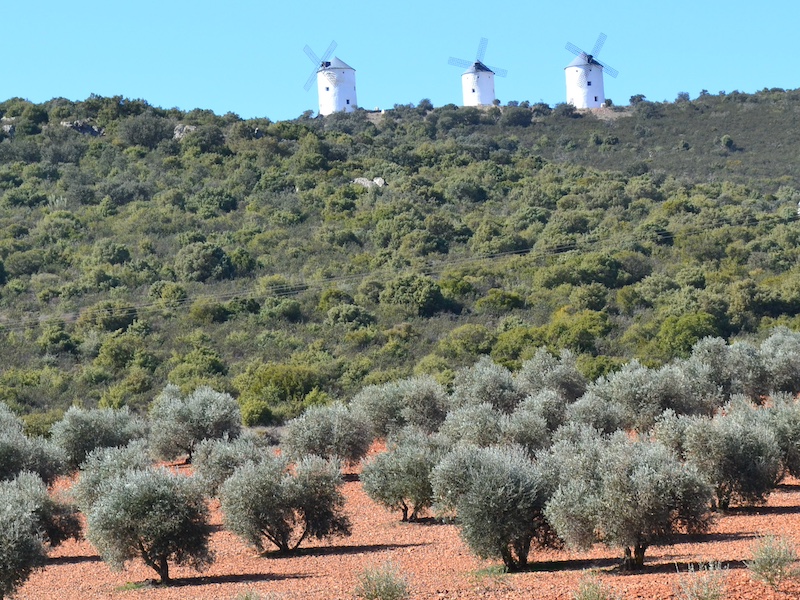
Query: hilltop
[(141, 245)]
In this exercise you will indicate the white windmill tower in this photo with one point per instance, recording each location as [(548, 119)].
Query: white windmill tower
[(336, 82), (477, 82), (585, 76)]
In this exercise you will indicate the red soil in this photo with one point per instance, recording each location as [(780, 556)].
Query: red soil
[(436, 562)]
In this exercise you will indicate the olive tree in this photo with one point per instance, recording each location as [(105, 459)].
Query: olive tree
[(180, 422), (478, 424), (266, 502), (400, 478), (80, 431), (624, 493), (154, 516), (332, 431), (21, 548), (780, 353), (547, 372), (486, 382), (19, 453), (216, 460), (499, 496)]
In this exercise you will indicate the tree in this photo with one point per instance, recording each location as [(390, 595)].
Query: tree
[(104, 465), (80, 431), (499, 500), (418, 293), (637, 493), (265, 502), (400, 478), (332, 431), (55, 520), (179, 423), (486, 382), (477, 424), (202, 261), (21, 547), (152, 515), (20, 453), (545, 371), (215, 460)]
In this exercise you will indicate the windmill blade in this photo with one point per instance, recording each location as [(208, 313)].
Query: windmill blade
[(498, 72), (607, 68), (314, 58), (481, 49), (459, 62), (310, 81), (575, 50), (327, 54), (598, 45)]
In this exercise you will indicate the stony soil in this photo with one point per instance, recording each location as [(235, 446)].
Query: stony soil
[(436, 562)]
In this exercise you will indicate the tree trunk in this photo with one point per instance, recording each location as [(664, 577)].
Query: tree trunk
[(404, 508), (163, 570)]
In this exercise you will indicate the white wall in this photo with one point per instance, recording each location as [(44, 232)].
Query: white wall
[(477, 88), (337, 95), (590, 95)]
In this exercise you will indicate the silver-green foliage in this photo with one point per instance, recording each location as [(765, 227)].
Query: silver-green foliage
[(216, 460), (627, 494), (103, 466), (152, 515), (547, 372), (591, 588), (773, 560), (20, 453), (21, 547), (382, 583), (780, 353), (400, 478), (486, 382), (332, 431), (266, 502), (739, 456), (80, 431), (478, 424), (706, 582), (54, 519), (180, 422), (499, 497)]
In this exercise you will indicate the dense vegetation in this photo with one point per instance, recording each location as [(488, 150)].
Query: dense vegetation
[(197, 249)]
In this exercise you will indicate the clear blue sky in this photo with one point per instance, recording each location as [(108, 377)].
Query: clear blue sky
[(246, 56)]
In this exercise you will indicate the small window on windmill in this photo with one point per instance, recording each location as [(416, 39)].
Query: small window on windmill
[(588, 83), (327, 89), (348, 100), (595, 98), (473, 90)]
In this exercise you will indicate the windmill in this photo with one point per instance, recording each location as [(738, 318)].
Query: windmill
[(585, 76), (477, 82), (336, 81)]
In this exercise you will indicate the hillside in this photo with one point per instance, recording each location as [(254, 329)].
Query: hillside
[(142, 245)]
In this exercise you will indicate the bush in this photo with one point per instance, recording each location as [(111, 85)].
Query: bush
[(216, 460), (180, 423), (21, 547), (104, 465), (773, 561), (265, 502), (546, 372), (479, 425), (500, 501), (623, 493), (154, 516), (704, 583), (382, 583), (591, 588), (81, 431), (486, 382), (19, 453), (332, 431), (780, 353), (400, 478), (741, 460), (56, 521), (382, 406)]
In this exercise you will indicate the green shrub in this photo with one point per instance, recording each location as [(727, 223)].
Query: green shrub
[(216, 459), (400, 478), (382, 583), (154, 516), (81, 431), (104, 465), (179, 422), (332, 431), (707, 582), (265, 502), (773, 561), (591, 588), (499, 498)]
